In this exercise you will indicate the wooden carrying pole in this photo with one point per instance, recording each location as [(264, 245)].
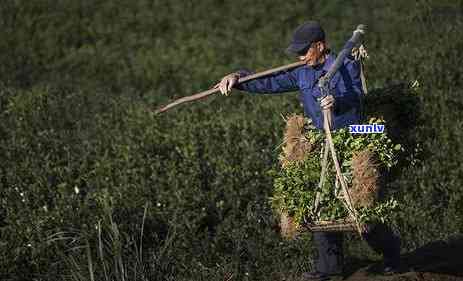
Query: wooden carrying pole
[(209, 92)]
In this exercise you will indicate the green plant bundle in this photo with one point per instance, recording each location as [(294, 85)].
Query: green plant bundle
[(296, 185)]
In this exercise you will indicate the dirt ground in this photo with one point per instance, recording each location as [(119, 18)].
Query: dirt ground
[(436, 261)]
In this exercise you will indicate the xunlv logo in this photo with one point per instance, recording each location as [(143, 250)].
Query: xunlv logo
[(365, 129)]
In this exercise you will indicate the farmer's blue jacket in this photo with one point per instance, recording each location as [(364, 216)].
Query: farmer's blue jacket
[(346, 87)]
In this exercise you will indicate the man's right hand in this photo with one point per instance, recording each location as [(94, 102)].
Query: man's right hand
[(227, 83), (327, 102)]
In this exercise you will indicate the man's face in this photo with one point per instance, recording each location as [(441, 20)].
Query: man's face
[(315, 54)]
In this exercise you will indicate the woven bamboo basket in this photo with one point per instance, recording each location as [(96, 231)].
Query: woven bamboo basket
[(331, 226), (365, 183), (289, 229)]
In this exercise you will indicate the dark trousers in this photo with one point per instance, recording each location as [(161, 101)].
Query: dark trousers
[(380, 238)]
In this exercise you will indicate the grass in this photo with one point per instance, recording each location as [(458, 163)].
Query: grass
[(77, 77)]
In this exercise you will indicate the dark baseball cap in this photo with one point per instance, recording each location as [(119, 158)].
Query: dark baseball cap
[(306, 34)]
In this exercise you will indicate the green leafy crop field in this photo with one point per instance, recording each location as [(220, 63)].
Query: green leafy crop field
[(94, 186)]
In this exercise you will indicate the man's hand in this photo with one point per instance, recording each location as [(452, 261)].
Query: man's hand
[(359, 52), (327, 102), (227, 83)]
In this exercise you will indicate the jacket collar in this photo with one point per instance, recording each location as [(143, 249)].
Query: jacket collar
[(321, 70), (330, 58)]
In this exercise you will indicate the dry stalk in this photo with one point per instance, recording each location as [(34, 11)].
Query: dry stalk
[(288, 227), (295, 145), (365, 182)]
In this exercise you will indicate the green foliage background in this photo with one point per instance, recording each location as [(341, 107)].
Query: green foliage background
[(79, 144)]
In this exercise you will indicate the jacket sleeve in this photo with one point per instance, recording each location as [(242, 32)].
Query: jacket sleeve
[(350, 94), (283, 81), (354, 69)]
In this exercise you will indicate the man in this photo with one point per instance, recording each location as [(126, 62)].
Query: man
[(309, 44)]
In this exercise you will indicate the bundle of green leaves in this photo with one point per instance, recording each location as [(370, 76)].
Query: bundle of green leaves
[(296, 185)]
